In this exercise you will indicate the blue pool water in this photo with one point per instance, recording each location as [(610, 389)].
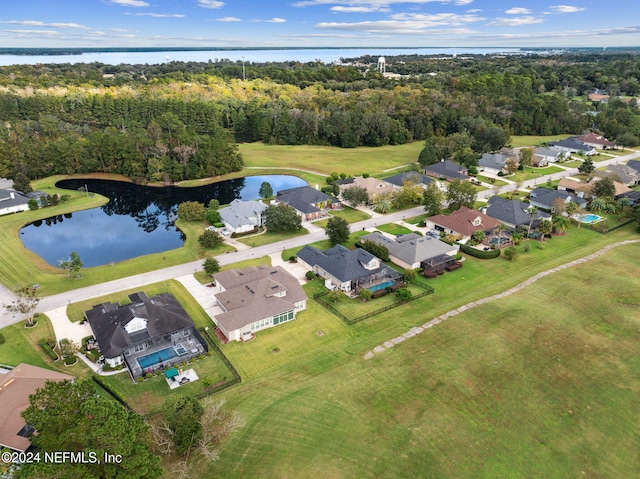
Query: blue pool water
[(378, 287), (156, 358), (590, 218)]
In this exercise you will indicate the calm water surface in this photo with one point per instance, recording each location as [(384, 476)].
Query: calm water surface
[(138, 220)]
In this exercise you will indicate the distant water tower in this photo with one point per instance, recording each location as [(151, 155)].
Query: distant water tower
[(382, 65)]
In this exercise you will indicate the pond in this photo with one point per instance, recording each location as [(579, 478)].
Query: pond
[(138, 220)]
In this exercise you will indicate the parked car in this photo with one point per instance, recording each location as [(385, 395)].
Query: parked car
[(211, 228), (225, 231)]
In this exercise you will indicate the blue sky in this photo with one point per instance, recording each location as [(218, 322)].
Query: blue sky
[(311, 23)]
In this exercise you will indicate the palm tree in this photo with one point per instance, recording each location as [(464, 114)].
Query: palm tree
[(560, 225), (598, 205), (544, 227)]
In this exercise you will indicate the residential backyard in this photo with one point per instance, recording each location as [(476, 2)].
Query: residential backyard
[(496, 391)]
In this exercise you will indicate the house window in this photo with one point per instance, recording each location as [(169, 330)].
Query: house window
[(139, 347)]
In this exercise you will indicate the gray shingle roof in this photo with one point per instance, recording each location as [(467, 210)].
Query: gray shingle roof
[(240, 213), (546, 197), (573, 144), (9, 198), (492, 160), (447, 168), (635, 164), (414, 176), (513, 212), (411, 248), (304, 198), (163, 313), (344, 264)]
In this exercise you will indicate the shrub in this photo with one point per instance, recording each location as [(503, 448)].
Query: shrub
[(2, 339), (511, 253), (500, 173), (293, 259), (493, 253), (210, 239), (48, 349), (310, 275)]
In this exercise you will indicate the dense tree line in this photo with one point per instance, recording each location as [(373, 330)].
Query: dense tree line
[(175, 120)]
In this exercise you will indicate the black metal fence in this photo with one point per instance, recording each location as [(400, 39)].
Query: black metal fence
[(227, 384), (320, 299)]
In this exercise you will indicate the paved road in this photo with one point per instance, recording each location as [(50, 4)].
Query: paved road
[(59, 300)]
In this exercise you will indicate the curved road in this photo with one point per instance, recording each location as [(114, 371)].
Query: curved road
[(59, 300)]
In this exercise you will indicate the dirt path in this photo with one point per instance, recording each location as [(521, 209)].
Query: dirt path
[(419, 329)]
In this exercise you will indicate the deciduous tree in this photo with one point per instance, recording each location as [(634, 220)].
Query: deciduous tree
[(355, 196), (25, 302), (432, 199), (281, 218), (459, 194), (266, 191), (211, 266), (337, 230), (191, 211)]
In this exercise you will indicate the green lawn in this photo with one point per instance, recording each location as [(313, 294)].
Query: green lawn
[(530, 173), (522, 141), (492, 181), (270, 237), (540, 384), (325, 244), (394, 229), (572, 163), (414, 220), (351, 215), (26, 267), (328, 159)]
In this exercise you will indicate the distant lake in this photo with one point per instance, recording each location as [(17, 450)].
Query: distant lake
[(326, 55), (138, 220)]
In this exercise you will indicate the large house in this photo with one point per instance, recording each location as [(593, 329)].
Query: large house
[(625, 174), (400, 179), (374, 187), (448, 170), (256, 298), (513, 212), (544, 198), (15, 387), (463, 223), (596, 141), (309, 203), (146, 335), (547, 155), (492, 162), (349, 270), (243, 216), (572, 145), (411, 251), (12, 201)]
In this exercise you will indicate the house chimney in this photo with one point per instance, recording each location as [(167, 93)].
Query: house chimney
[(13, 195)]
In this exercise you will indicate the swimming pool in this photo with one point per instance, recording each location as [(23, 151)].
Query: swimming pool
[(590, 218), (156, 358)]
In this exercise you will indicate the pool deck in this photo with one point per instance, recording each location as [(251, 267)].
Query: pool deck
[(184, 377)]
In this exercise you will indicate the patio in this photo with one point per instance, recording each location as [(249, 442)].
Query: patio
[(190, 348), (176, 378)]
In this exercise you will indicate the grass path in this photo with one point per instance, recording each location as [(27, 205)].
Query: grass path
[(419, 329)]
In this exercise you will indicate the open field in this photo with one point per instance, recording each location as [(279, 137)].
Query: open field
[(540, 384), (329, 159), (521, 141)]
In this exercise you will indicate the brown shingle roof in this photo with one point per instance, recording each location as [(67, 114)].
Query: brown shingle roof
[(15, 388), (462, 221)]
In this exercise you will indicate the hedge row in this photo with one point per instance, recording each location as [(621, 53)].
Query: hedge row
[(47, 349), (489, 254)]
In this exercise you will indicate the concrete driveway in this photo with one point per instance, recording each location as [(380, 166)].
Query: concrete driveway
[(63, 328)]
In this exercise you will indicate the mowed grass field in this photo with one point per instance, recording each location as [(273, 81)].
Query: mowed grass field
[(543, 383), (329, 159)]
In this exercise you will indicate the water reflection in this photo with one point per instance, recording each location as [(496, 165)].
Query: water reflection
[(137, 220)]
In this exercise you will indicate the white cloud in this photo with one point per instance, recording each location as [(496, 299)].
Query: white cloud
[(130, 3), (514, 22), (210, 4), (566, 9), (271, 20), (374, 3), (118, 30), (228, 19), (35, 32), (362, 9), (157, 15), (36, 23), (474, 10), (517, 11)]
